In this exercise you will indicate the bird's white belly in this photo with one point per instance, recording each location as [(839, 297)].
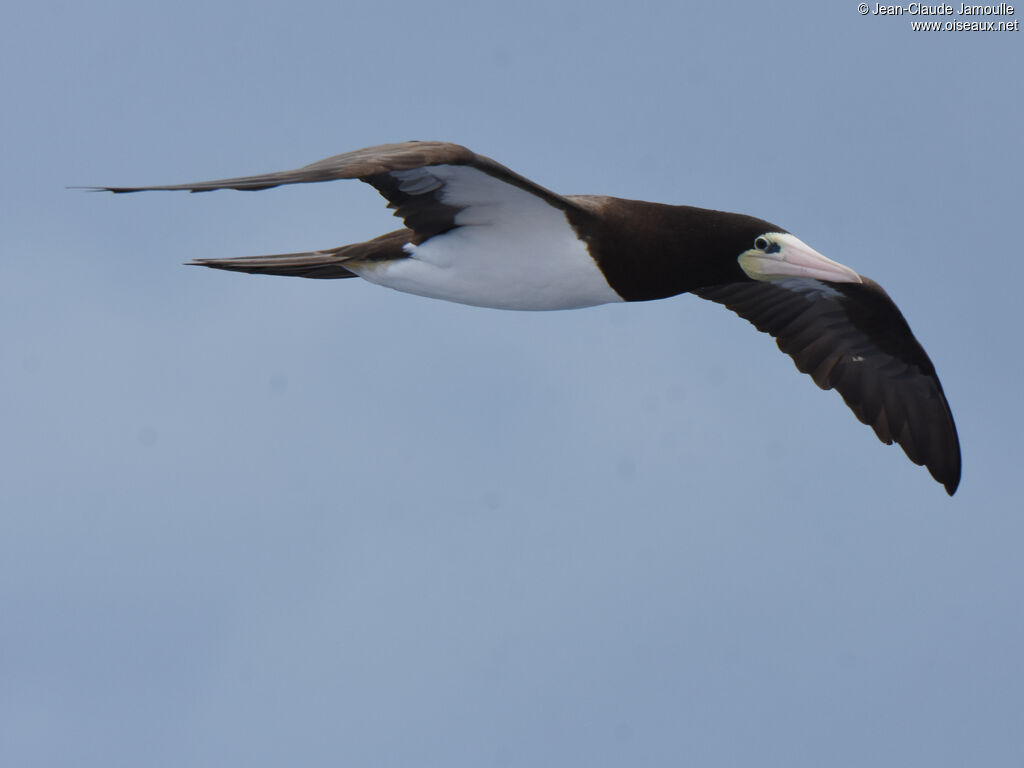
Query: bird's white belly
[(514, 253), (513, 274)]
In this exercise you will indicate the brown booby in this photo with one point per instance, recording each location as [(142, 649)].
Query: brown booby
[(478, 233)]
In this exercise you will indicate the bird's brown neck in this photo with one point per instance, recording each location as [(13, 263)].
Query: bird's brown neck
[(651, 251)]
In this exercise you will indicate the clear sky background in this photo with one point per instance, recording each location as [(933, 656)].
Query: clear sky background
[(253, 521)]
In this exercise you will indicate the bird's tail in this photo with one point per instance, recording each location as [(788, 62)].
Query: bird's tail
[(325, 265)]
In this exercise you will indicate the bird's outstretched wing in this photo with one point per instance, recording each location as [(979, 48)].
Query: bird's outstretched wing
[(428, 183), (853, 338)]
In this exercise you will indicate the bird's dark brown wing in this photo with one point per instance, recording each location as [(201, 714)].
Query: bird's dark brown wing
[(400, 172), (853, 338), (361, 163)]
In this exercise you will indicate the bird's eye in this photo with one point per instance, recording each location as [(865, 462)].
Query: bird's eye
[(762, 243)]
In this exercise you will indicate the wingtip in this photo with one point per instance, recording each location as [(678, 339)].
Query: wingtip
[(115, 190), (209, 263), (127, 190), (948, 475)]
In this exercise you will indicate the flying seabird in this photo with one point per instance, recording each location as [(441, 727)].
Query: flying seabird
[(478, 233)]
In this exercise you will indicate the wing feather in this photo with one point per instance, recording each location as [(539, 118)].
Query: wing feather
[(853, 338), (400, 172), (361, 163)]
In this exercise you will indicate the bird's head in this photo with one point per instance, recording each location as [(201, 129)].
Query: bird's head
[(778, 255)]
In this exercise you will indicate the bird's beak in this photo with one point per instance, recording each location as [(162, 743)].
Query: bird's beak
[(794, 258)]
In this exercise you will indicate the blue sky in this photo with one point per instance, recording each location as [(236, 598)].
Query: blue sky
[(267, 521)]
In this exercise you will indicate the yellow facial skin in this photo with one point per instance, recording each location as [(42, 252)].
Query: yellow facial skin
[(778, 255)]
